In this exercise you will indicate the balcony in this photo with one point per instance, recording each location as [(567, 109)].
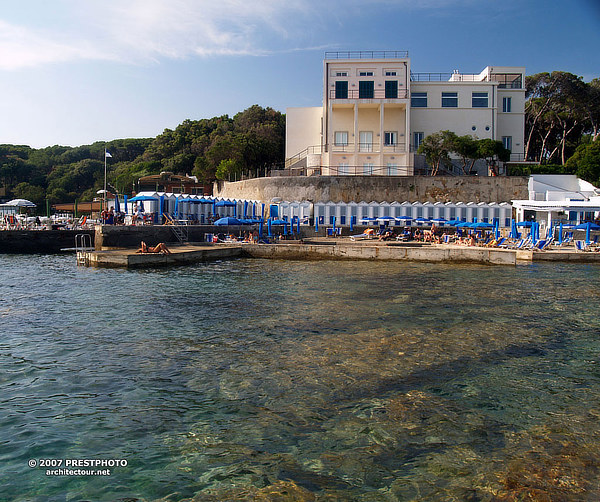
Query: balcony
[(368, 148), (376, 94)]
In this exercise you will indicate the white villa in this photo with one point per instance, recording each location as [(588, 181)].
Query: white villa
[(376, 112), (558, 197)]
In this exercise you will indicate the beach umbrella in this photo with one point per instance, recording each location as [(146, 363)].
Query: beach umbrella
[(227, 220), (560, 233), (269, 228), (514, 233), (454, 222), (352, 218), (260, 228), (588, 226), (422, 220), (367, 220), (117, 205), (298, 225), (20, 203), (440, 221), (141, 198), (334, 225), (497, 229), (316, 224), (526, 224), (125, 204)]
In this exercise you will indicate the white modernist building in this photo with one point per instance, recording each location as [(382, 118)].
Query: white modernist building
[(558, 197), (376, 112)]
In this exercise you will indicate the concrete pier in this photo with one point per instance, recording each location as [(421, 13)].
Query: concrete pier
[(330, 250), (180, 255)]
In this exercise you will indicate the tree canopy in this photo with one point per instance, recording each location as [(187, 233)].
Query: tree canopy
[(439, 146), (560, 110), (218, 148)]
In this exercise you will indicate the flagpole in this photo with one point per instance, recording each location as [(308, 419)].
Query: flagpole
[(104, 205)]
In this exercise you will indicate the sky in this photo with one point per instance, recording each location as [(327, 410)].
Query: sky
[(73, 72)]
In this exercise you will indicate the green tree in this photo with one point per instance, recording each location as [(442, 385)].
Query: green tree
[(437, 147), (467, 149), (228, 169), (33, 193), (586, 162)]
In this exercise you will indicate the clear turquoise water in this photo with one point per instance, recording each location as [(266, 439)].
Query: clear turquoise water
[(255, 379)]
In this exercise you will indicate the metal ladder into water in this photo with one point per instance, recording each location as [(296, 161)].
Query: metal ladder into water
[(181, 233), (83, 244)]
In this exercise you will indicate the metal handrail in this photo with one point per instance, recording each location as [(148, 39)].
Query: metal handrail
[(366, 55)]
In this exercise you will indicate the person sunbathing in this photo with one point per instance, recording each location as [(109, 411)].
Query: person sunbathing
[(159, 248)]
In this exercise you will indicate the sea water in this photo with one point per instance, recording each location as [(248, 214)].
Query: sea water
[(326, 380)]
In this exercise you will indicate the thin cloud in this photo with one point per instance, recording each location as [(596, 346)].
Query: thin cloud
[(149, 30), (146, 31)]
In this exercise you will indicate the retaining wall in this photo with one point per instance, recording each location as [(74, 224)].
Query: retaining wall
[(378, 188), (39, 241)]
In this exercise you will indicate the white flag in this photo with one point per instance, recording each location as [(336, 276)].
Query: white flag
[(107, 154)]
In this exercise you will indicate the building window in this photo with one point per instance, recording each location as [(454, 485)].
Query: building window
[(368, 169), (390, 138), (366, 89), (418, 139), (418, 100), (341, 89), (507, 142), (341, 138), (365, 73), (391, 89), (479, 100), (343, 168), (507, 105), (366, 141), (392, 169), (449, 99), (389, 73), (341, 73)]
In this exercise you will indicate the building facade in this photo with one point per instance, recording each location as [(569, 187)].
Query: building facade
[(376, 112)]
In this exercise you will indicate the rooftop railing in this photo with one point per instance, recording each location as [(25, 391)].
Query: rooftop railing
[(366, 55)]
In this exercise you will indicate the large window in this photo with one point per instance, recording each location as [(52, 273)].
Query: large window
[(365, 73), (343, 168), (391, 89), (418, 99), (368, 169), (418, 139), (507, 105), (341, 89), (392, 169), (507, 142), (390, 138), (366, 89), (341, 138), (449, 99), (479, 100), (366, 141)]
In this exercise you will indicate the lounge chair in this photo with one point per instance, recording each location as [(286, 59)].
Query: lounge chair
[(169, 220), (360, 237), (581, 246)]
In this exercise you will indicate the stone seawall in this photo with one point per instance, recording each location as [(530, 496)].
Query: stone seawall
[(39, 241), (378, 188)]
